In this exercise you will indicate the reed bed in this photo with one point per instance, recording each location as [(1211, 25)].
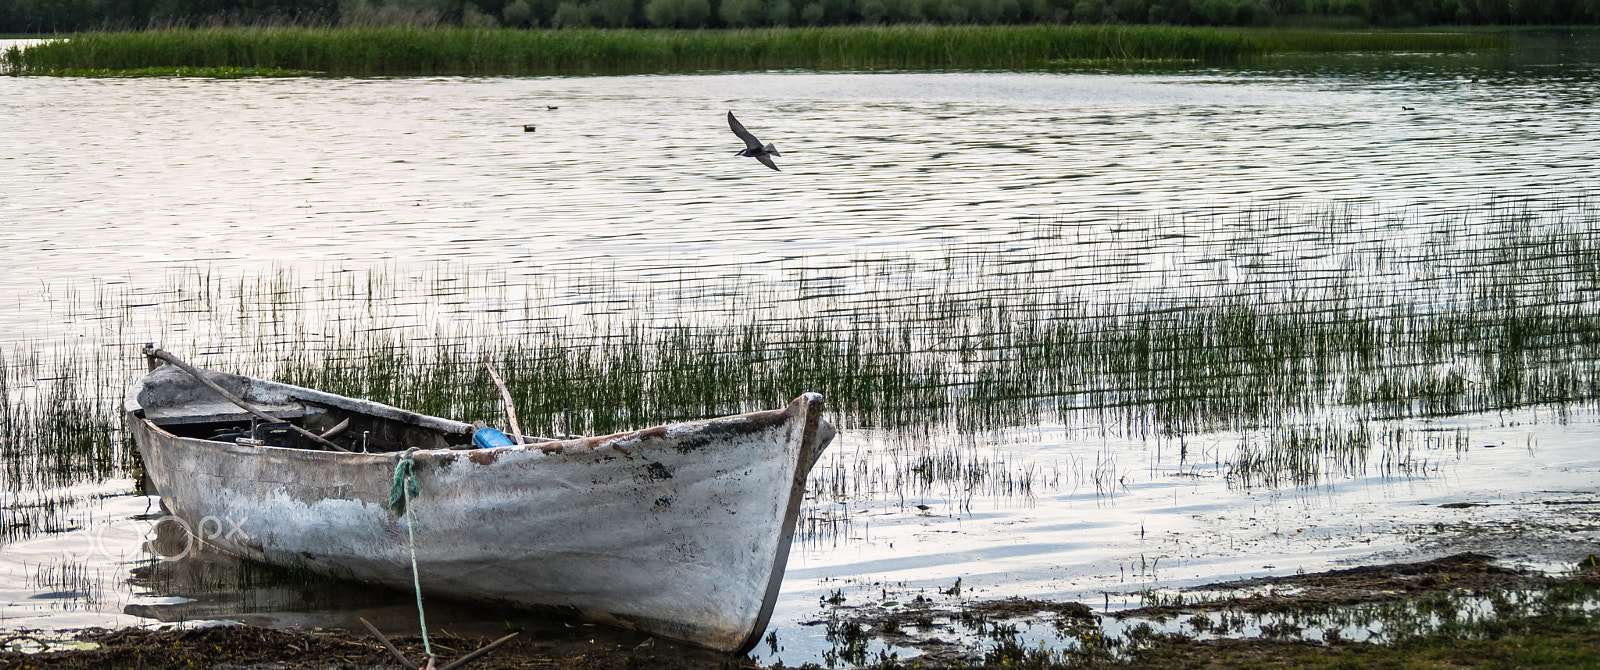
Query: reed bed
[(1279, 40), (57, 428), (1500, 318), (476, 51), (1306, 331), (206, 72)]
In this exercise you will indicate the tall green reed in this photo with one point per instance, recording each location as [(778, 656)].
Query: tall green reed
[(57, 428), (1284, 40), (472, 51), (984, 334), (1259, 319)]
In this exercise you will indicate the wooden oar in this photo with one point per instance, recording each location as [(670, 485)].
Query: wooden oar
[(150, 351)]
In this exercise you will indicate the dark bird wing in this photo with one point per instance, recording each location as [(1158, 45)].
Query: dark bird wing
[(749, 140), (767, 161)]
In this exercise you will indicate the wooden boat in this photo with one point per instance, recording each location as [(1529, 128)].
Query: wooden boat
[(681, 530)]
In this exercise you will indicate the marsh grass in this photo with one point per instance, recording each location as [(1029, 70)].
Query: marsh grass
[(1308, 331), (470, 51), (58, 427), (374, 50), (1313, 454), (1289, 40), (205, 72)]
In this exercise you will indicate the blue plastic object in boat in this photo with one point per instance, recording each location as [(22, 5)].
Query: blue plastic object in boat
[(485, 438)]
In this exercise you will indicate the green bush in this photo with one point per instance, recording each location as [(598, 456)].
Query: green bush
[(779, 12), (612, 13), (1226, 12), (518, 14), (742, 13), (999, 11), (570, 15), (1130, 11), (1089, 11)]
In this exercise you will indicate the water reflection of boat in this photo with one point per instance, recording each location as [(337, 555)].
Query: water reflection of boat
[(680, 530)]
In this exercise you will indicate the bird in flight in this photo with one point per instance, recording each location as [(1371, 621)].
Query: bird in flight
[(752, 146)]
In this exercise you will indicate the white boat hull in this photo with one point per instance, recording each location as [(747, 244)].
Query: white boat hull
[(681, 530)]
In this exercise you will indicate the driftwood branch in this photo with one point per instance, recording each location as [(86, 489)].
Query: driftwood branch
[(481, 651), (387, 645), (150, 351), (454, 665), (505, 394)]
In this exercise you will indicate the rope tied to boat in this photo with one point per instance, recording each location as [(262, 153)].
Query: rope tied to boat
[(404, 488)]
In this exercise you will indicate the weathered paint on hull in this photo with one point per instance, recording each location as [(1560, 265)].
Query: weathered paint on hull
[(681, 530)]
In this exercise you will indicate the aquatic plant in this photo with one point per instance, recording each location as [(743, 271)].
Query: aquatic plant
[(1539, 622), (449, 50), (1335, 324), (205, 72), (1283, 40)]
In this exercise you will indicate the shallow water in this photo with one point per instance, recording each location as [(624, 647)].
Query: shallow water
[(115, 191)]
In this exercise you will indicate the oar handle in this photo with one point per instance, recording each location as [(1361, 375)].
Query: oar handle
[(150, 351)]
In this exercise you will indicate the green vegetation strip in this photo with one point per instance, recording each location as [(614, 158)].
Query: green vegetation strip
[(1351, 41), (208, 72), (448, 50)]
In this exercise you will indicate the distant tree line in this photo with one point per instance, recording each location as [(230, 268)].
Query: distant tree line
[(51, 16)]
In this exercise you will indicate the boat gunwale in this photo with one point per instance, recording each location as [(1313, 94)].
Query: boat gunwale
[(757, 419)]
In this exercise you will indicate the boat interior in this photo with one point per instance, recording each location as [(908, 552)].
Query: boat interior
[(209, 405), (350, 430)]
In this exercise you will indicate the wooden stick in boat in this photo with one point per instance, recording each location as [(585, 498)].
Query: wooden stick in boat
[(481, 651), (505, 394), (151, 351), (386, 645), (336, 429)]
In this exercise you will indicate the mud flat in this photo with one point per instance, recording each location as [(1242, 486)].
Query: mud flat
[(1464, 610), (262, 648)]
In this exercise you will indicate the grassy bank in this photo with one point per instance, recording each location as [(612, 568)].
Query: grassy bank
[(449, 50)]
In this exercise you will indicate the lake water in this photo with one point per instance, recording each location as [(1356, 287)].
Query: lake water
[(116, 190)]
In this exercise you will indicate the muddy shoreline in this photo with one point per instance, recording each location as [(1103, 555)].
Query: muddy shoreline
[(915, 625), (254, 648)]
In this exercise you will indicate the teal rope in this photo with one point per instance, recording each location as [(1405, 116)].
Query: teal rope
[(405, 485), (400, 493)]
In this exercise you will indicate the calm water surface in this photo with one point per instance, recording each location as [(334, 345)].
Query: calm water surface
[(639, 172), (119, 185)]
